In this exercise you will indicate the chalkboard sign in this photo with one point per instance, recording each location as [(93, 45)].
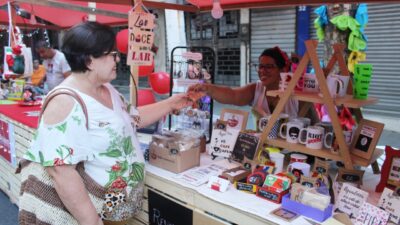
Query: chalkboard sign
[(160, 211), (245, 146), (351, 176), (268, 195), (245, 187)]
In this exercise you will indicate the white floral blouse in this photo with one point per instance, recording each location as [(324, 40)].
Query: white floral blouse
[(109, 148)]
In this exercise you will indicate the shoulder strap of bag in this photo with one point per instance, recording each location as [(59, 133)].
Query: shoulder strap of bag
[(65, 91)]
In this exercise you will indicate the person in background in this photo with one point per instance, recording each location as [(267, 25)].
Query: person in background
[(37, 78), (97, 170), (57, 68), (271, 63)]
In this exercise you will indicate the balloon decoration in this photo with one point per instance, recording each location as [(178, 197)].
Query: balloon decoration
[(145, 97), (122, 41), (145, 70), (160, 82)]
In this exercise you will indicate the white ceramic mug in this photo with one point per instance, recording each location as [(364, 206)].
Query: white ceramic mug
[(262, 124), (310, 83), (345, 82), (335, 85), (314, 137), (285, 79), (331, 142), (296, 157), (292, 131), (299, 169), (278, 159)]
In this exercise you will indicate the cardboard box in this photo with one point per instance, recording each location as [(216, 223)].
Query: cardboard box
[(165, 152), (236, 174), (306, 210)]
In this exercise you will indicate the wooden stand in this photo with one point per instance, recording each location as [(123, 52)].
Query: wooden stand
[(344, 153)]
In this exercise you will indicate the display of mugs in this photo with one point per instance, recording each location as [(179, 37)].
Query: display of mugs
[(330, 140), (310, 83), (313, 137), (292, 131), (262, 124), (296, 157), (284, 82), (337, 85), (299, 169)]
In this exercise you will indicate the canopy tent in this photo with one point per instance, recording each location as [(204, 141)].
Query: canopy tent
[(64, 14)]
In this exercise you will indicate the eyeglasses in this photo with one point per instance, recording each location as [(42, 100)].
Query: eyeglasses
[(114, 54), (258, 66)]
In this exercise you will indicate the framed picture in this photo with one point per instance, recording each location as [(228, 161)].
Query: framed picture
[(237, 119), (284, 214), (366, 137), (390, 174)]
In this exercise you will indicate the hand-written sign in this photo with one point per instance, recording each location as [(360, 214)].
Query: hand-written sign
[(141, 38), (268, 195), (350, 176), (160, 211), (222, 142), (245, 146), (246, 187), (371, 215), (350, 200), (390, 203)]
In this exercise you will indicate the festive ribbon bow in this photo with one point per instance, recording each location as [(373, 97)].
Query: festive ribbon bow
[(354, 58), (323, 16), (362, 16), (320, 21), (344, 22), (356, 41)]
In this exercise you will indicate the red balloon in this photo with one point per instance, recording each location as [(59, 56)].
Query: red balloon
[(145, 70), (145, 97), (122, 41), (160, 82)]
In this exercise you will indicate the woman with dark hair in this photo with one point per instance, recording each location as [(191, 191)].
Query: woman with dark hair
[(272, 62), (85, 165)]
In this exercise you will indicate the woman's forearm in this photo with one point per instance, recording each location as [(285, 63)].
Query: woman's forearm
[(153, 112), (72, 192)]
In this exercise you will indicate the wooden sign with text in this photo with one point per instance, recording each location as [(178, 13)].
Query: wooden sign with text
[(141, 38), (390, 203)]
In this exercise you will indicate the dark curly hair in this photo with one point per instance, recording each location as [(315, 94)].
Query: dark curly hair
[(277, 54), (84, 40)]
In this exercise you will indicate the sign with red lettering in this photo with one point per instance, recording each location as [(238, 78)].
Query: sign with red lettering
[(141, 38)]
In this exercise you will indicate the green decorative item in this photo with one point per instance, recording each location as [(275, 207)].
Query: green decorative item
[(362, 78), (19, 65), (344, 22), (356, 42), (319, 29)]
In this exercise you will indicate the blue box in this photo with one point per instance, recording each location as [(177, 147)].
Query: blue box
[(306, 210)]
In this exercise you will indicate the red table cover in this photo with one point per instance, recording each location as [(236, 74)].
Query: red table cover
[(18, 113)]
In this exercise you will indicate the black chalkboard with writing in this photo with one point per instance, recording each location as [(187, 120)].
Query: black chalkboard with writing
[(165, 211), (268, 195), (245, 146)]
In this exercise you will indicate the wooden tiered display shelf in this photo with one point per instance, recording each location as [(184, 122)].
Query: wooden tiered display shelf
[(347, 100), (323, 97)]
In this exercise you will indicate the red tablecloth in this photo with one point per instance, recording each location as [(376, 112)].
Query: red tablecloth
[(18, 113)]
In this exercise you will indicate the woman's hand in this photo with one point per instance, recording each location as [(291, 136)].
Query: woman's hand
[(179, 101), (198, 88)]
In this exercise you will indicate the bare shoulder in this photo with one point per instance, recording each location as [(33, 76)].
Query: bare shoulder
[(58, 109)]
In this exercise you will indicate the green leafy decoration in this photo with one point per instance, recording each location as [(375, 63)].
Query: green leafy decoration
[(48, 163), (124, 167), (137, 173), (111, 177), (77, 120), (127, 145), (35, 135), (62, 127), (113, 153), (30, 156), (41, 157)]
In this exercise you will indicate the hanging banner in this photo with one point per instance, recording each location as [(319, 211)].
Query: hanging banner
[(141, 38)]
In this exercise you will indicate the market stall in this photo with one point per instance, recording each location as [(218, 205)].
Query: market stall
[(205, 198)]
